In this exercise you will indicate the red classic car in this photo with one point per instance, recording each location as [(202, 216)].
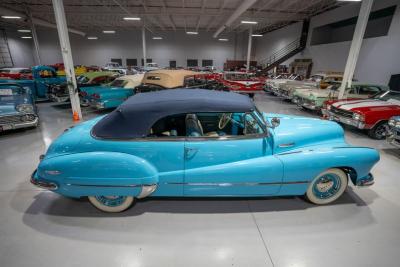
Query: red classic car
[(369, 114), (14, 73), (242, 82)]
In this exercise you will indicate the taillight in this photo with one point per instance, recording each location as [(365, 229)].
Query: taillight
[(83, 93), (97, 96)]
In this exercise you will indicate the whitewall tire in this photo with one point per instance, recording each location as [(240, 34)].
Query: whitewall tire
[(111, 203), (327, 186)]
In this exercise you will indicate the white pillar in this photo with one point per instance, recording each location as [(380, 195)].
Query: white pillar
[(67, 56), (355, 47), (144, 45), (35, 38), (249, 49)]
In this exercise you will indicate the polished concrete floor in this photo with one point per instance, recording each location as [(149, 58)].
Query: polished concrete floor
[(39, 228)]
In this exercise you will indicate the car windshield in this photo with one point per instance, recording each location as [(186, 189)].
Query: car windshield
[(118, 83), (390, 96), (10, 90)]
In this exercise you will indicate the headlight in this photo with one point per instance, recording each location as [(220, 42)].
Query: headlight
[(358, 117), (25, 108), (392, 123)]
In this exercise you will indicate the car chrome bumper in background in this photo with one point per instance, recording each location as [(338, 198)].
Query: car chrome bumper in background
[(366, 181), (42, 184), (19, 125), (345, 120), (393, 138)]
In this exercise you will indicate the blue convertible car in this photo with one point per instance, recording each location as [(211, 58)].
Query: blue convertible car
[(193, 142)]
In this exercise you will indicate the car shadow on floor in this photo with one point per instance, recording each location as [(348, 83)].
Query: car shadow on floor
[(54, 205)]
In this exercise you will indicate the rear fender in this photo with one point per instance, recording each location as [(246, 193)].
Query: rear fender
[(98, 173)]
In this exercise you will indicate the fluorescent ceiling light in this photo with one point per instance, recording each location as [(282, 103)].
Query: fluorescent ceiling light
[(257, 35), (157, 38), (11, 17), (131, 18), (223, 39), (248, 22), (194, 33), (92, 38), (24, 30), (108, 31), (26, 37)]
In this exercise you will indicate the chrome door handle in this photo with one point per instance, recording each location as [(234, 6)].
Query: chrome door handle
[(190, 152), (287, 145)]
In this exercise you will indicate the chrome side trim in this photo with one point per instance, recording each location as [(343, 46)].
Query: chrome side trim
[(147, 190), (287, 145), (239, 184), (92, 185)]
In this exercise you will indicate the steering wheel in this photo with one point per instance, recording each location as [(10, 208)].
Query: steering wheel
[(223, 121)]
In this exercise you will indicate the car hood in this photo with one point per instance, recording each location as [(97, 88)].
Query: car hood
[(296, 132), (366, 105), (8, 104)]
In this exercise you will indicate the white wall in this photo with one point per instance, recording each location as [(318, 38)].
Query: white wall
[(379, 57), (21, 50), (128, 44)]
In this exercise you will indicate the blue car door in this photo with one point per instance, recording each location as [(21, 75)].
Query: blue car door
[(230, 165)]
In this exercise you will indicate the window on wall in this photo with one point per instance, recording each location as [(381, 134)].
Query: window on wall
[(117, 60), (131, 62), (206, 62), (148, 60), (192, 63), (172, 63), (378, 25)]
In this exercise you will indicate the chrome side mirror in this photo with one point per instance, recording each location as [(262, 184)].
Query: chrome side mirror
[(275, 122)]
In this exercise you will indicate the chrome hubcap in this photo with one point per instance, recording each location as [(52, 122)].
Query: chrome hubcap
[(327, 186), (111, 201)]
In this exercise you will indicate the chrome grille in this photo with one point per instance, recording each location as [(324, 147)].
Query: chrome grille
[(5, 120), (341, 112)]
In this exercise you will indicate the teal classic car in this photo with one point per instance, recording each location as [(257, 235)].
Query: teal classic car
[(39, 82), (201, 143), (111, 95), (17, 107)]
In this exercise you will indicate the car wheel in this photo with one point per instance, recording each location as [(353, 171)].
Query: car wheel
[(327, 187), (111, 203), (379, 131)]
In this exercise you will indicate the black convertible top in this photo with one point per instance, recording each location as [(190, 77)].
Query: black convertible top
[(137, 115)]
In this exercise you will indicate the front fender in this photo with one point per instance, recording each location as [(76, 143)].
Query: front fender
[(97, 173)]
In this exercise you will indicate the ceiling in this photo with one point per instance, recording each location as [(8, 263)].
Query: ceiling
[(90, 16)]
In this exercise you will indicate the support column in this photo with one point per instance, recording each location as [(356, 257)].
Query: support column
[(249, 49), (358, 36), (67, 57), (144, 45), (35, 38)]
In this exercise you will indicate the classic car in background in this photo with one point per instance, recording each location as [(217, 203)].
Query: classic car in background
[(151, 66), (17, 107), (59, 92), (243, 82), (111, 95), (313, 99), (60, 69), (43, 78), (316, 81), (220, 145), (163, 79), (393, 136), (13, 73), (272, 85), (371, 115)]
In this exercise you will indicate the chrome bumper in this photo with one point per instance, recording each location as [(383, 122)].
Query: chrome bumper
[(97, 105), (59, 99), (366, 181), (42, 184), (349, 121), (13, 126), (393, 138)]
